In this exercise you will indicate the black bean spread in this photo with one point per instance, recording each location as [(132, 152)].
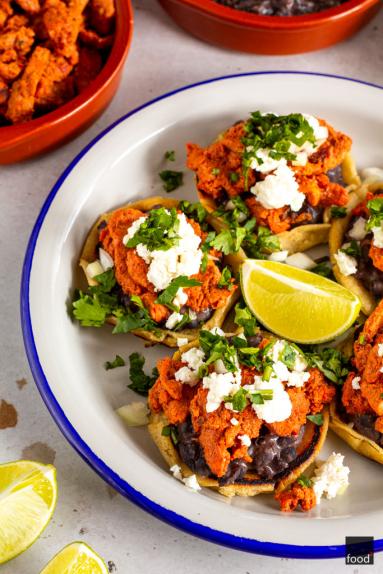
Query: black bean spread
[(281, 7)]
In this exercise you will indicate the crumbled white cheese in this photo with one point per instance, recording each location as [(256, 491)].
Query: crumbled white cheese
[(245, 439), (187, 376), (165, 265), (105, 259), (304, 151), (346, 263), (355, 383), (173, 320), (331, 477), (358, 230), (380, 349), (176, 471), (193, 358), (279, 407), (181, 298), (181, 341), (378, 236), (191, 483), (234, 422), (279, 189), (296, 377), (300, 260), (280, 256), (220, 386), (265, 163)]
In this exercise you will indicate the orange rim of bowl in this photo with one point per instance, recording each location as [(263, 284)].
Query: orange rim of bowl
[(123, 36), (279, 22)]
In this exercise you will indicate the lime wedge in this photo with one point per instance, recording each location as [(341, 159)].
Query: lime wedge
[(76, 558), (296, 304), (28, 493)]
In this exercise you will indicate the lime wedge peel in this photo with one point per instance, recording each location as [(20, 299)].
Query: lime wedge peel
[(28, 495), (76, 558), (296, 304)]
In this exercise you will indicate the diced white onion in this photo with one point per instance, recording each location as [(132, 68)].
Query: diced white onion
[(105, 259), (280, 256), (94, 268), (300, 260)]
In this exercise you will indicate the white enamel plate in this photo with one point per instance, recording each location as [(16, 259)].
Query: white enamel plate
[(121, 165)]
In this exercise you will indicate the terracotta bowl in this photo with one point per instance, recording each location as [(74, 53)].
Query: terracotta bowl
[(40, 135), (247, 32)]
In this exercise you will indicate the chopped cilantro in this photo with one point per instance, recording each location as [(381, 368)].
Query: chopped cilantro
[(195, 211), (352, 249), (268, 371), (375, 207), (244, 318), (238, 400), (276, 133), (229, 240), (117, 362), (259, 397), (158, 231), (323, 268), (216, 347), (338, 212), (304, 481), (172, 179), (141, 382), (316, 419), (166, 431), (362, 339), (233, 176), (106, 281), (215, 171), (128, 320), (225, 279), (167, 296), (288, 355), (331, 363), (89, 311), (170, 155)]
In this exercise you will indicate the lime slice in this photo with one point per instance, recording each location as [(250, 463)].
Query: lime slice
[(296, 304), (28, 493), (76, 558)]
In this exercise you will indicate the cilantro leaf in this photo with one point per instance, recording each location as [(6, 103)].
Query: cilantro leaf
[(225, 279), (217, 347), (304, 481), (172, 179), (353, 249), (331, 363), (89, 311), (323, 268), (316, 419), (158, 231), (141, 382), (244, 318), (275, 133), (238, 400), (338, 212), (375, 207), (117, 362), (170, 155), (106, 281), (195, 211), (170, 292), (229, 240), (215, 171)]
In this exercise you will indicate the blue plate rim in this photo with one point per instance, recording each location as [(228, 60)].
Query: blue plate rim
[(70, 433)]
